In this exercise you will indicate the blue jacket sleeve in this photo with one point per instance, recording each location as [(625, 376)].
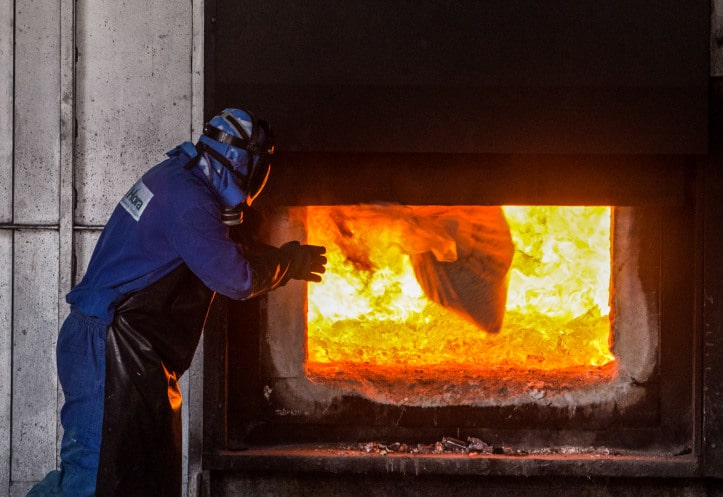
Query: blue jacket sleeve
[(202, 241)]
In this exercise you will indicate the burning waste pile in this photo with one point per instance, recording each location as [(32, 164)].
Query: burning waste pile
[(470, 287)]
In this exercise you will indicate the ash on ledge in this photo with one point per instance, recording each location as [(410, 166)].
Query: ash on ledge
[(473, 446)]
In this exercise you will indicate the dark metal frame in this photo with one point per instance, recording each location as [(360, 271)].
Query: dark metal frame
[(683, 188)]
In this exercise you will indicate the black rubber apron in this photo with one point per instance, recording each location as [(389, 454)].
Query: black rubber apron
[(150, 343)]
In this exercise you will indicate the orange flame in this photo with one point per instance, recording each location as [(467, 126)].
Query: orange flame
[(371, 310)]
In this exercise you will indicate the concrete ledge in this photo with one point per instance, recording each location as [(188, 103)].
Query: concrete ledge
[(331, 460)]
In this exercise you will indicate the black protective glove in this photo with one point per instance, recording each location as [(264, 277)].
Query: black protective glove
[(306, 262), (273, 267)]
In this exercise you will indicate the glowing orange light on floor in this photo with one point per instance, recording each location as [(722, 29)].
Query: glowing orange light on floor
[(371, 310)]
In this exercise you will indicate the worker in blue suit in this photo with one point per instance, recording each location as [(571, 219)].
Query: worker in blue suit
[(136, 317)]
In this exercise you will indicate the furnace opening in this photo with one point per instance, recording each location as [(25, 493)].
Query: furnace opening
[(459, 287), (464, 305)]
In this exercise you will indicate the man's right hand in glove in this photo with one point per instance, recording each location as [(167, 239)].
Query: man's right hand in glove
[(306, 262), (274, 267)]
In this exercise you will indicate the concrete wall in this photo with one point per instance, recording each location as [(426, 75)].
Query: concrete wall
[(92, 93)]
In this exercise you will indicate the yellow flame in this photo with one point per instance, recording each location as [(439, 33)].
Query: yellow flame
[(370, 308)]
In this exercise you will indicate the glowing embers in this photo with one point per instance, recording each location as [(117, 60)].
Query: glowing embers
[(373, 314)]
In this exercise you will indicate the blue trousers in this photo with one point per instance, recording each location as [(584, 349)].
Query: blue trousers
[(81, 371)]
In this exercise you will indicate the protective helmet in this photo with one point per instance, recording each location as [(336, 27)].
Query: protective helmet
[(243, 145)]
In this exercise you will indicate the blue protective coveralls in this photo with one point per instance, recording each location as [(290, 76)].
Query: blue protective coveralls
[(134, 324)]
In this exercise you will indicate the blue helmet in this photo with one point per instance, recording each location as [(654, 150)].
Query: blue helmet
[(243, 145)]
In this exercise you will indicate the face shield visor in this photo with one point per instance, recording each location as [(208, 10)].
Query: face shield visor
[(259, 147)]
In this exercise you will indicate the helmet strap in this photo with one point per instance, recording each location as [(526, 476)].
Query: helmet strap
[(221, 136)]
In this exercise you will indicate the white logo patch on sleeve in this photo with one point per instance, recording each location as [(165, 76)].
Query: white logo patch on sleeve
[(137, 199)]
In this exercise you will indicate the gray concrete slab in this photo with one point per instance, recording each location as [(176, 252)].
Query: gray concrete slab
[(133, 95), (20, 488), (37, 114), (6, 253), (35, 329), (7, 16), (84, 244)]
